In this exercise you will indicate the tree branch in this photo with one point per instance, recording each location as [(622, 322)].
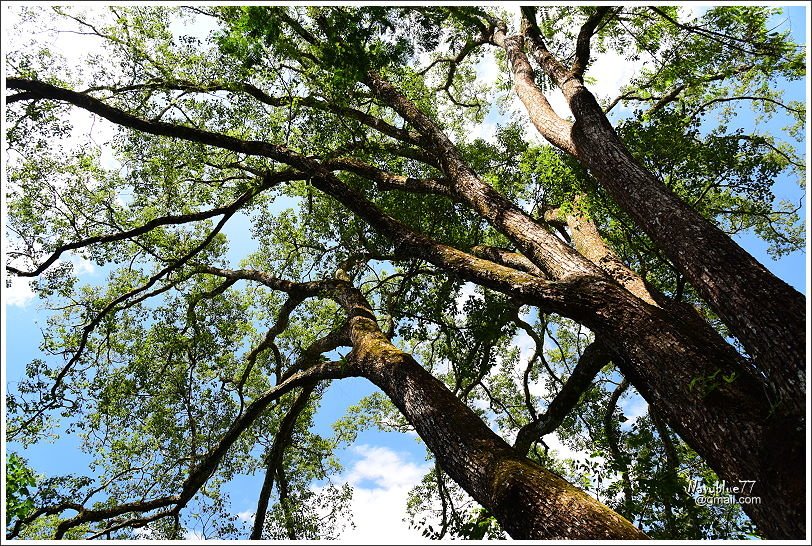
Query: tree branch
[(389, 181), (592, 360), (201, 473), (111, 307), (508, 258), (549, 124), (274, 457), (614, 447), (268, 181), (534, 241), (282, 320), (369, 120), (698, 110), (584, 37), (552, 66)]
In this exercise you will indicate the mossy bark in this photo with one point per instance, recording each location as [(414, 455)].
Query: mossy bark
[(529, 501)]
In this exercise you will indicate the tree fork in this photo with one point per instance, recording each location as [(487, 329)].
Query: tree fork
[(764, 313), (528, 501)]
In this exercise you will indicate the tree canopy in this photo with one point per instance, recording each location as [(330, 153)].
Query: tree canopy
[(415, 201)]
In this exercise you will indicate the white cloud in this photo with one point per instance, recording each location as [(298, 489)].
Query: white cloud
[(384, 467), (558, 103), (468, 290), (565, 452), (485, 130), (81, 266), (611, 72), (382, 479), (246, 516), (487, 70), (143, 532), (19, 293)]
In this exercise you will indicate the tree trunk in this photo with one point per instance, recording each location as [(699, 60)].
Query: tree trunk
[(709, 398), (680, 375), (764, 312), (779, 462), (678, 368), (528, 501)]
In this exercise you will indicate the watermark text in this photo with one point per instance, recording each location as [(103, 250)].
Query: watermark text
[(723, 493)]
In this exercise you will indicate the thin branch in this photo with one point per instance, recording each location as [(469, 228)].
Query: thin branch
[(731, 41), (538, 354), (274, 459), (269, 180), (202, 472), (111, 308), (593, 359), (614, 447), (702, 107), (282, 320)]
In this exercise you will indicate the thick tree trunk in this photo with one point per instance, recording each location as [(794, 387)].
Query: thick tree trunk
[(762, 311), (679, 372), (682, 376), (528, 501), (783, 479), (765, 313), (719, 409), (675, 366)]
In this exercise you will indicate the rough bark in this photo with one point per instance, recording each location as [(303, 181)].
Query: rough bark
[(544, 118), (528, 501), (765, 313), (508, 259), (662, 357), (543, 248), (713, 416), (594, 357), (666, 383), (588, 241), (762, 311)]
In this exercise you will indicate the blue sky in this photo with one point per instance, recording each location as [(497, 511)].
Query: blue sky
[(383, 465)]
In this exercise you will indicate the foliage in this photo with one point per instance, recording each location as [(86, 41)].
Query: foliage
[(19, 478), (152, 363)]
